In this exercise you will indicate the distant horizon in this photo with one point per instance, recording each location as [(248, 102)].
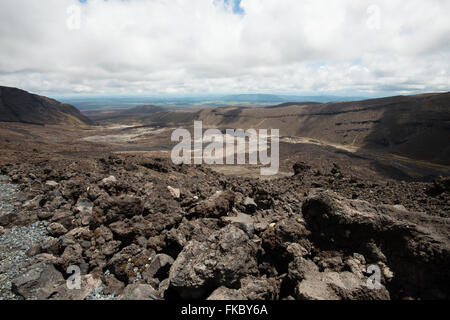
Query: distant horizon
[(333, 96), (130, 101), (225, 94)]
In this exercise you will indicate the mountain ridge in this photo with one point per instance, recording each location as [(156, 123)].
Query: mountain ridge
[(17, 105), (415, 126)]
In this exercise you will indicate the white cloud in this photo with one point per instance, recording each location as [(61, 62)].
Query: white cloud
[(201, 46)]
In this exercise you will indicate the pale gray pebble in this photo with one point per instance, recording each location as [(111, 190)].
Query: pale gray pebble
[(97, 294)]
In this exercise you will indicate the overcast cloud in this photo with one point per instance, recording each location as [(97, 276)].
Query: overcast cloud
[(215, 46)]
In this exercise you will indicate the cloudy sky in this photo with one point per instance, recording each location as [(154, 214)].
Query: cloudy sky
[(341, 47)]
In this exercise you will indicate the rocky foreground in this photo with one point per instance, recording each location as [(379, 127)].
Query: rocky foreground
[(142, 228)]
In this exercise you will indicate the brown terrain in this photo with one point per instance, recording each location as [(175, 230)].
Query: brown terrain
[(361, 184), (415, 127), (20, 106)]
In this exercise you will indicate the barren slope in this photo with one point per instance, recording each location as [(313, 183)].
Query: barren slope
[(417, 127), (20, 106)]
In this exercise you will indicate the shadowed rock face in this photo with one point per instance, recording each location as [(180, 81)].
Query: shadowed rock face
[(415, 246), (20, 106), (223, 259), (414, 126)]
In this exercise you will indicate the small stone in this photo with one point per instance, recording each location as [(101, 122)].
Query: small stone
[(34, 250), (142, 241), (84, 206), (51, 183), (176, 193), (56, 229), (36, 280), (250, 205), (400, 207), (109, 180), (261, 226), (159, 267), (139, 292), (387, 273), (360, 258)]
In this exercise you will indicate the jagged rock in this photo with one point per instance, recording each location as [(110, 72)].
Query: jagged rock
[(355, 266), (34, 283), (87, 286), (142, 241), (110, 248), (124, 263), (337, 286), (373, 252), (72, 255), (439, 186), (175, 192), (329, 260), (200, 230), (123, 229), (46, 258), (34, 203), (156, 223), (56, 229), (63, 217), (300, 268), (104, 233), (139, 291), (223, 259), (112, 285), (250, 205), (44, 214), (159, 267), (17, 219), (216, 206), (163, 287), (278, 237), (56, 203), (84, 206), (52, 184), (34, 250), (416, 245), (336, 169), (310, 282), (296, 250), (109, 181), (251, 289), (154, 282), (244, 222), (127, 205), (75, 236), (300, 168), (227, 294), (156, 165), (400, 207), (157, 243)]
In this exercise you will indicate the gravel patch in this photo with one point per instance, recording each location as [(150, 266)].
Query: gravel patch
[(8, 194), (15, 242), (98, 294)]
